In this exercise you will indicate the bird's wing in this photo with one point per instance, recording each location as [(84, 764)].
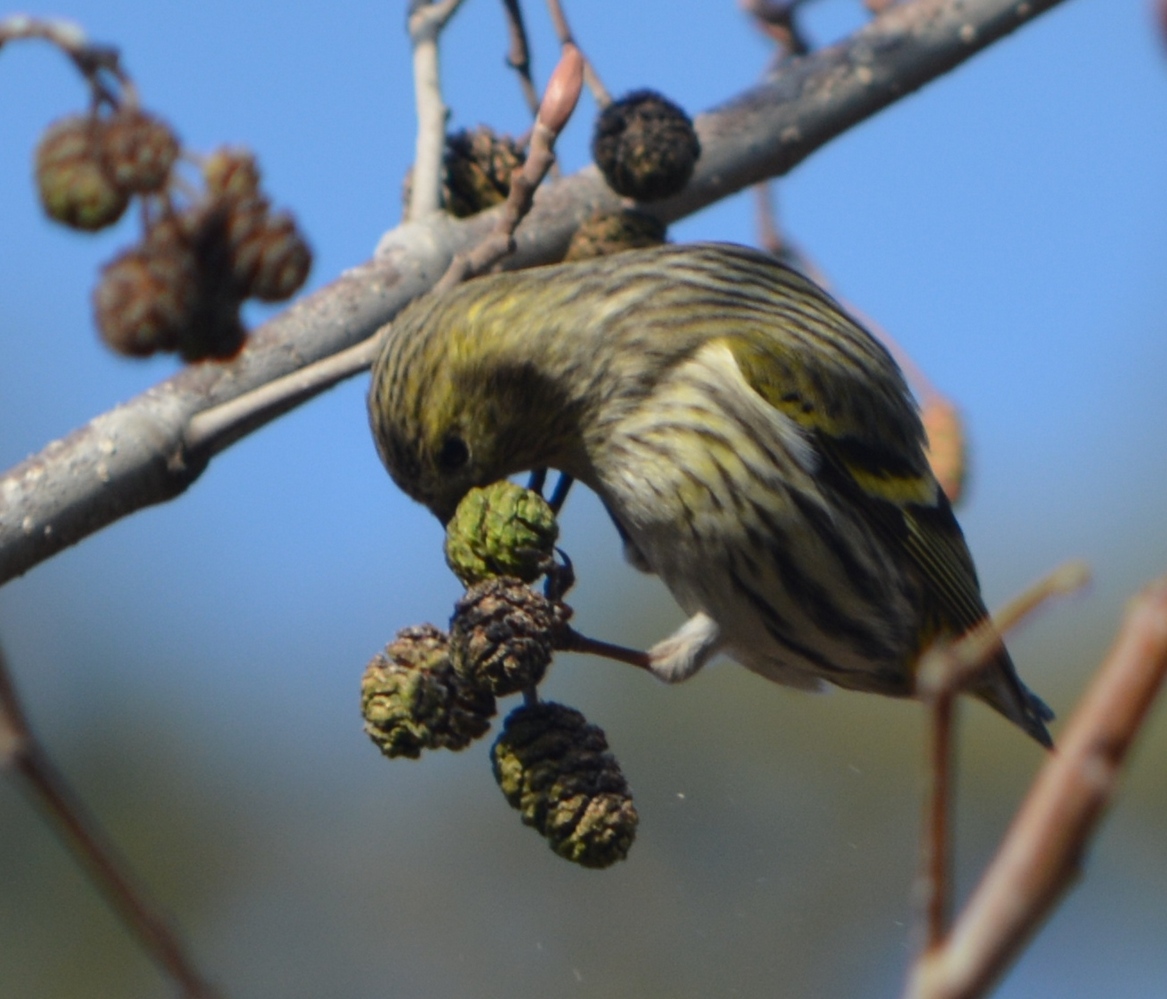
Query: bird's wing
[(850, 399)]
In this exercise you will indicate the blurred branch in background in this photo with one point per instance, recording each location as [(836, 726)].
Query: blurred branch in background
[(1041, 855), (23, 755), (942, 673)]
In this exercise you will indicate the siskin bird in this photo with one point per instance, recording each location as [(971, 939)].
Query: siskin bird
[(756, 448)]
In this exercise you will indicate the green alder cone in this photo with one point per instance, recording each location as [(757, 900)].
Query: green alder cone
[(501, 530)]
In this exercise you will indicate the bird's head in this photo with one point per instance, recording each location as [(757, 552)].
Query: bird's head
[(459, 400)]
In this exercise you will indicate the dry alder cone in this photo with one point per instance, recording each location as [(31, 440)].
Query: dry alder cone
[(182, 287), (605, 233), (478, 165), (645, 146), (501, 530), (139, 150), (502, 635), (75, 187), (556, 770), (270, 260), (412, 699), (189, 259), (147, 297), (231, 172)]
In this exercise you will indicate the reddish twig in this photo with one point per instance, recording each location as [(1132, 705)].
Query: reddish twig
[(950, 666), (1041, 855), (558, 103), (600, 93), (519, 55), (776, 20), (941, 674), (21, 752)]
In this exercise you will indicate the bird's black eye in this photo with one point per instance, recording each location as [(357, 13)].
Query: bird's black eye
[(454, 454)]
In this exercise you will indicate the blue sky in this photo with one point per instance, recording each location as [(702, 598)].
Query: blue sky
[(1008, 224)]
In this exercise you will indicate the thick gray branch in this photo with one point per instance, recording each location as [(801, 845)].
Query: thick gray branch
[(136, 454)]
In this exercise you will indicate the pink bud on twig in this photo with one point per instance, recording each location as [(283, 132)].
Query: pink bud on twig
[(563, 90)]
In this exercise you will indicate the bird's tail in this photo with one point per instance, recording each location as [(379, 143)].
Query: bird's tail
[(1001, 688)]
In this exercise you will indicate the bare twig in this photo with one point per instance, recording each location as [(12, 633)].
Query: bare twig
[(942, 672), (934, 883), (573, 641), (214, 430), (426, 21), (777, 20), (519, 55), (134, 455), (94, 62), (563, 32), (556, 108), (22, 753), (949, 666), (1041, 855)]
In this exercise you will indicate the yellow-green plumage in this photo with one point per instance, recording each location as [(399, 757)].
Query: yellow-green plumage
[(756, 448)]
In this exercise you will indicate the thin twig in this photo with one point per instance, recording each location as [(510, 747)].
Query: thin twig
[(934, 885), (519, 54), (769, 236), (942, 672), (949, 666), (426, 21), (1041, 855), (573, 641), (555, 109), (214, 430), (92, 61), (21, 752), (777, 20), (563, 32)]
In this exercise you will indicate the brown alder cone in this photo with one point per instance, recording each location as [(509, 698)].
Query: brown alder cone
[(412, 699), (75, 187), (614, 232), (145, 300), (502, 635), (645, 146), (556, 769), (139, 150)]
